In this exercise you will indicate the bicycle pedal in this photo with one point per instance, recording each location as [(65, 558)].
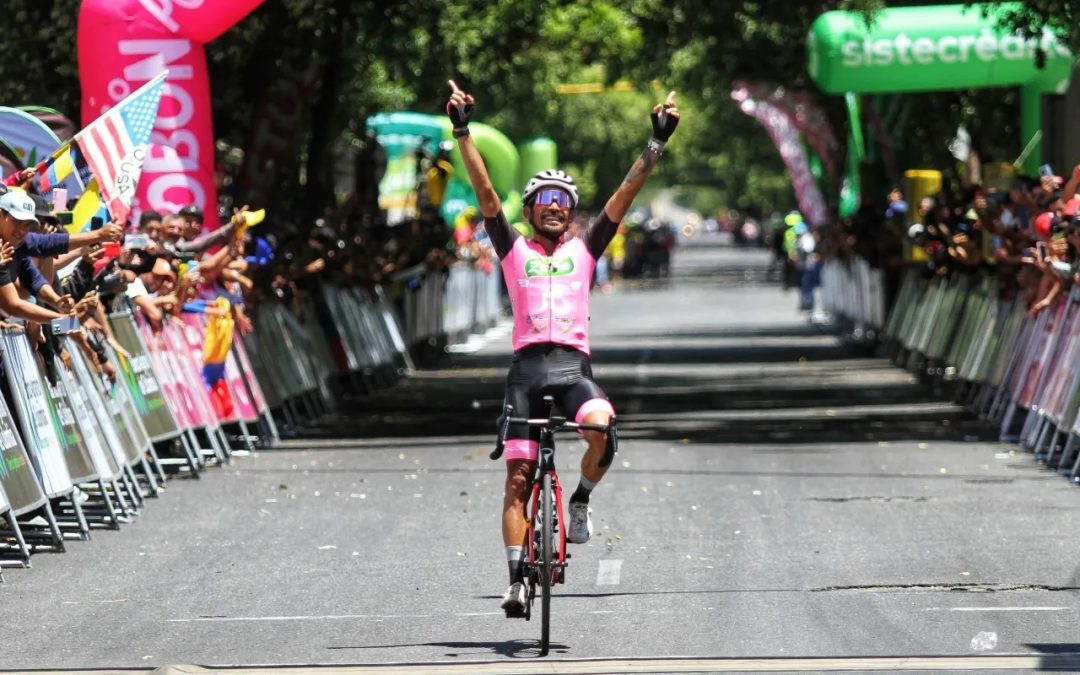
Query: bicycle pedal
[(569, 555)]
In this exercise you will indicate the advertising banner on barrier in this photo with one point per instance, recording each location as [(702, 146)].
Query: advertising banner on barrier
[(16, 473), (33, 414), (80, 465), (140, 377), (188, 376), (105, 464), (90, 383), (167, 376), (242, 402), (258, 400)]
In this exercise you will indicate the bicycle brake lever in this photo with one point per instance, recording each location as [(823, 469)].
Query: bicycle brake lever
[(500, 442), (611, 448)]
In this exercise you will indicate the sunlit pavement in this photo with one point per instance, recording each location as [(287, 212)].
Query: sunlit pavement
[(778, 494)]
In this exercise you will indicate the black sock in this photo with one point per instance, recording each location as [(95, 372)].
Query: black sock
[(513, 562), (584, 489)]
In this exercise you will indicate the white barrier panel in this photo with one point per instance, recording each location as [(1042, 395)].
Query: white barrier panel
[(855, 291), (1013, 368), (17, 477), (34, 416), (100, 411), (105, 464), (80, 465), (157, 414)]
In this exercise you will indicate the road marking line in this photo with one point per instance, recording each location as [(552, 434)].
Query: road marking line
[(480, 613), (323, 617), (998, 609), (608, 573), (654, 665)]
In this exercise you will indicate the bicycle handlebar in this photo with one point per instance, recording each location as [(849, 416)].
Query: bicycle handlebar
[(555, 423)]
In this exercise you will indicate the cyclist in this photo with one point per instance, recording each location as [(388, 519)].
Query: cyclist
[(548, 278)]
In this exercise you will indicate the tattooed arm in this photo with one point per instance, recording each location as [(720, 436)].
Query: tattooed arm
[(665, 117)]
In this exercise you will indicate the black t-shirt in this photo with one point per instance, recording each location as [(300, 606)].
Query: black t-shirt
[(7, 274)]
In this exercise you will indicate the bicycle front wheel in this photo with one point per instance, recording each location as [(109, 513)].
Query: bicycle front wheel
[(547, 565)]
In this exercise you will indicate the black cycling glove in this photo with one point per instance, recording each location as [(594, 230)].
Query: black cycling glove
[(460, 116), (663, 125)]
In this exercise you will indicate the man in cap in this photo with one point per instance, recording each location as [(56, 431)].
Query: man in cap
[(16, 217), (52, 244)]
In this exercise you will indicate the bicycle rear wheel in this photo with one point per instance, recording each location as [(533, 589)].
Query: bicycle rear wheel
[(547, 565)]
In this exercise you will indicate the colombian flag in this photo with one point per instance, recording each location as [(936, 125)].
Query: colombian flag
[(88, 206), (219, 335), (58, 167)]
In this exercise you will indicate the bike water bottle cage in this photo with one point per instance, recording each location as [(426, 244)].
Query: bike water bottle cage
[(553, 196)]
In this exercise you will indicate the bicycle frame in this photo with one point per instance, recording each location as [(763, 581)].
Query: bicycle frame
[(545, 471), (546, 465)]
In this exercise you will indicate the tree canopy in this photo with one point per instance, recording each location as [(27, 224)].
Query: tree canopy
[(360, 57)]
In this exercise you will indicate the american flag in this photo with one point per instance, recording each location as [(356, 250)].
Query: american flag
[(115, 145)]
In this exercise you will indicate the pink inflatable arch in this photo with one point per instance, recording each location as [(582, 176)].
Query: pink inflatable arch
[(124, 43)]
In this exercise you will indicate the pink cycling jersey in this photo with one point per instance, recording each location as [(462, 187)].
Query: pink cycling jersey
[(550, 294)]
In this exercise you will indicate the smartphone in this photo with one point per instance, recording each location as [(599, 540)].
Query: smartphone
[(97, 222), (59, 199), (111, 248), (67, 324), (65, 217), (1040, 251), (136, 242), (1046, 170)]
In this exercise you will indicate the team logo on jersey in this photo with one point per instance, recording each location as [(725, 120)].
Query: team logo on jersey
[(548, 267)]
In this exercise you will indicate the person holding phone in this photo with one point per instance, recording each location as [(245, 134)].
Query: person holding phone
[(549, 277)]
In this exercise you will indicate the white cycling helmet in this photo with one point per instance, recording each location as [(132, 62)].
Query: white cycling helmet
[(555, 178)]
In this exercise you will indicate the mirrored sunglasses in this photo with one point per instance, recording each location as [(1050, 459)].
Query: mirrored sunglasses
[(552, 196)]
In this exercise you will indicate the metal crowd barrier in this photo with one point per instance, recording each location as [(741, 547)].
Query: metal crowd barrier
[(449, 306), (79, 450), (854, 291), (1020, 373)]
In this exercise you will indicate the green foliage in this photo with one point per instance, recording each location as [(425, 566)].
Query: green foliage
[(370, 56)]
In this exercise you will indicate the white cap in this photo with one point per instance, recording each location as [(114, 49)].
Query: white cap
[(19, 205)]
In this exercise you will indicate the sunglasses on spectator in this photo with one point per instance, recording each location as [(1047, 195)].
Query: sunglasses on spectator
[(548, 197)]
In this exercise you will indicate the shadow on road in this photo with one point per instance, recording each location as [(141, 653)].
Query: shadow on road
[(780, 394), (518, 649)]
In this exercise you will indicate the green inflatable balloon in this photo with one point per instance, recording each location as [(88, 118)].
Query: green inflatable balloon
[(930, 48), (537, 154)]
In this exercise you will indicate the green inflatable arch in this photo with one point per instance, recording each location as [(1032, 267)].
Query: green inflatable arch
[(400, 133), (908, 49)]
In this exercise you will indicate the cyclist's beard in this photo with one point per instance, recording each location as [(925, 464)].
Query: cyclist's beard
[(552, 230)]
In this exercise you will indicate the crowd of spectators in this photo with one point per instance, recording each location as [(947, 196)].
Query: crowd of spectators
[(1026, 234)]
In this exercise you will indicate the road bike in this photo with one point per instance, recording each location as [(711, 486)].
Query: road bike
[(545, 558)]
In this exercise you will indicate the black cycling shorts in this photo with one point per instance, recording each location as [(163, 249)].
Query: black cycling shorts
[(548, 370)]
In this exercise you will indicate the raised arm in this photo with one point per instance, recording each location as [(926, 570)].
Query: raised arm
[(1070, 186), (665, 117), (460, 108)]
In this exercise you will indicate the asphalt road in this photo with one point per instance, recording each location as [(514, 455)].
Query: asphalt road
[(777, 495)]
